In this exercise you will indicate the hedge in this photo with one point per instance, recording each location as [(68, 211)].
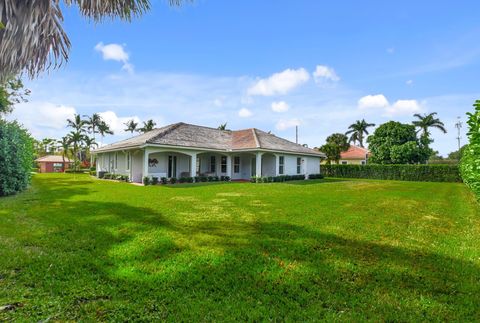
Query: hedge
[(16, 158), (470, 163), (421, 173)]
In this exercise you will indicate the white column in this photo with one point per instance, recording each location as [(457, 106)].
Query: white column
[(145, 163), (277, 159), (258, 164), (193, 165), (229, 166)]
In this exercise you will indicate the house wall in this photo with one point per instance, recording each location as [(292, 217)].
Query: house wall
[(47, 167), (137, 166), (353, 161), (269, 165), (313, 165)]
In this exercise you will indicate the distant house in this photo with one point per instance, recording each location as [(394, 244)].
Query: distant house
[(53, 164), (186, 150), (355, 155)]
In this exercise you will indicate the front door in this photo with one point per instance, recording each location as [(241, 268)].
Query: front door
[(253, 167), (172, 166)]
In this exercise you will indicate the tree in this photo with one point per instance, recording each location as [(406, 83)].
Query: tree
[(427, 121), (334, 146), (48, 146), (89, 143), (357, 131), (11, 92), (76, 123), (457, 154), (92, 123), (131, 126), (104, 129), (397, 143), (76, 139), (470, 163), (64, 145), (223, 126), (34, 39), (149, 125)]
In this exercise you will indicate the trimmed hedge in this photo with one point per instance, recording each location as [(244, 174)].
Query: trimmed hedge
[(470, 163), (16, 158), (420, 173)]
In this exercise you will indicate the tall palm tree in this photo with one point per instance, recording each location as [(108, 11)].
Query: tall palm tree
[(64, 144), (104, 129), (32, 36), (359, 128), (76, 140), (48, 145), (148, 125), (427, 121), (93, 122), (223, 126), (89, 143), (76, 123), (131, 126)]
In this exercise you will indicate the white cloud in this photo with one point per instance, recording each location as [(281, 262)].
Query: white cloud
[(116, 123), (378, 101), (391, 50), (404, 107), (409, 82), (285, 124), (280, 106), (324, 73), (115, 52), (244, 113), (218, 103), (280, 83)]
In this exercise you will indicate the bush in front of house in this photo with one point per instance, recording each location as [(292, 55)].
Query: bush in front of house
[(93, 173), (154, 180), (164, 180), (421, 173), (276, 179), (316, 176), (16, 158), (172, 180), (225, 178), (146, 181)]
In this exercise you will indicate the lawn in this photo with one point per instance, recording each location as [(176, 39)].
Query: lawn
[(350, 250)]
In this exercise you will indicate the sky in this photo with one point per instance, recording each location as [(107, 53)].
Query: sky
[(271, 65)]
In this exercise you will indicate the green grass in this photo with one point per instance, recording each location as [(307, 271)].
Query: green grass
[(349, 250)]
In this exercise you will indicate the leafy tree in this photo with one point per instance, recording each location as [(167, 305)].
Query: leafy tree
[(11, 92), (357, 131), (334, 146), (93, 122), (104, 129), (77, 123), (33, 39), (148, 125), (223, 126), (457, 154), (48, 145), (64, 146), (76, 139), (470, 163), (395, 142), (89, 143), (131, 126)]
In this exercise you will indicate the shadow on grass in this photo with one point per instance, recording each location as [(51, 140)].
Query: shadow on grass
[(147, 266)]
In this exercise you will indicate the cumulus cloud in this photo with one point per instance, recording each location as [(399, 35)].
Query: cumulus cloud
[(280, 83), (409, 82), (244, 113), (378, 101), (116, 123), (115, 52), (280, 106), (289, 123), (324, 74)]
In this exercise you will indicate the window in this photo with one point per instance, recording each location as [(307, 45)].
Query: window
[(364, 162), (344, 162), (236, 164), (281, 164), (299, 165), (198, 165), (223, 164), (213, 166), (127, 156)]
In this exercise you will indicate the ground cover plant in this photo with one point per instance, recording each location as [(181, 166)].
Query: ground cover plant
[(80, 248)]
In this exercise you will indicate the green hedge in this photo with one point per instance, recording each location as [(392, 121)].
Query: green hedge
[(16, 158), (470, 163), (421, 173)]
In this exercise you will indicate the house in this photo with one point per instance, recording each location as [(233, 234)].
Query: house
[(53, 164), (187, 150), (355, 155)]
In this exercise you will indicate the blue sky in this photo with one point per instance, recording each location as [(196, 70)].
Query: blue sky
[(268, 64)]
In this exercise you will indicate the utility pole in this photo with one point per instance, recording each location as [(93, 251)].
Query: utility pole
[(296, 134), (458, 125)]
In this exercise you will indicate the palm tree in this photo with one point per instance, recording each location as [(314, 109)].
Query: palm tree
[(149, 125), (64, 144), (47, 144), (92, 123), (104, 129), (359, 128), (223, 126), (89, 143), (131, 126), (32, 36), (76, 123), (75, 141), (427, 121)]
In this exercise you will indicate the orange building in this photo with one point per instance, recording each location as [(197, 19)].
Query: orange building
[(355, 155), (53, 164)]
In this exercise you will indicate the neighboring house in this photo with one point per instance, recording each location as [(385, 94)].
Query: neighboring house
[(186, 150), (355, 155), (53, 164)]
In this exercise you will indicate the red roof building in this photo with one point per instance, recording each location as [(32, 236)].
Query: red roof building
[(355, 155), (53, 164)]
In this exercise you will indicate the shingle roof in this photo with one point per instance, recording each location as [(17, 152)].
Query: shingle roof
[(52, 159), (193, 136), (355, 152)]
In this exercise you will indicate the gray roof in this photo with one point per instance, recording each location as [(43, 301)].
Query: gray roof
[(193, 136)]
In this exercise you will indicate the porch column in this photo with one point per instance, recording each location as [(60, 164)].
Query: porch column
[(229, 166), (277, 159), (258, 164), (193, 165), (145, 163)]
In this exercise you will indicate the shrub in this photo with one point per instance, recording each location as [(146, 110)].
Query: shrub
[(163, 180), (16, 158), (315, 176), (93, 168), (182, 180), (470, 163), (189, 179), (422, 173), (210, 178), (93, 172), (154, 180), (73, 171), (146, 181), (173, 180), (203, 178), (35, 169), (225, 178)]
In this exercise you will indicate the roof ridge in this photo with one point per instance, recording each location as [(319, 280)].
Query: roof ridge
[(257, 142)]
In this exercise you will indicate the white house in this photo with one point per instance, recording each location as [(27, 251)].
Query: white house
[(186, 150)]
